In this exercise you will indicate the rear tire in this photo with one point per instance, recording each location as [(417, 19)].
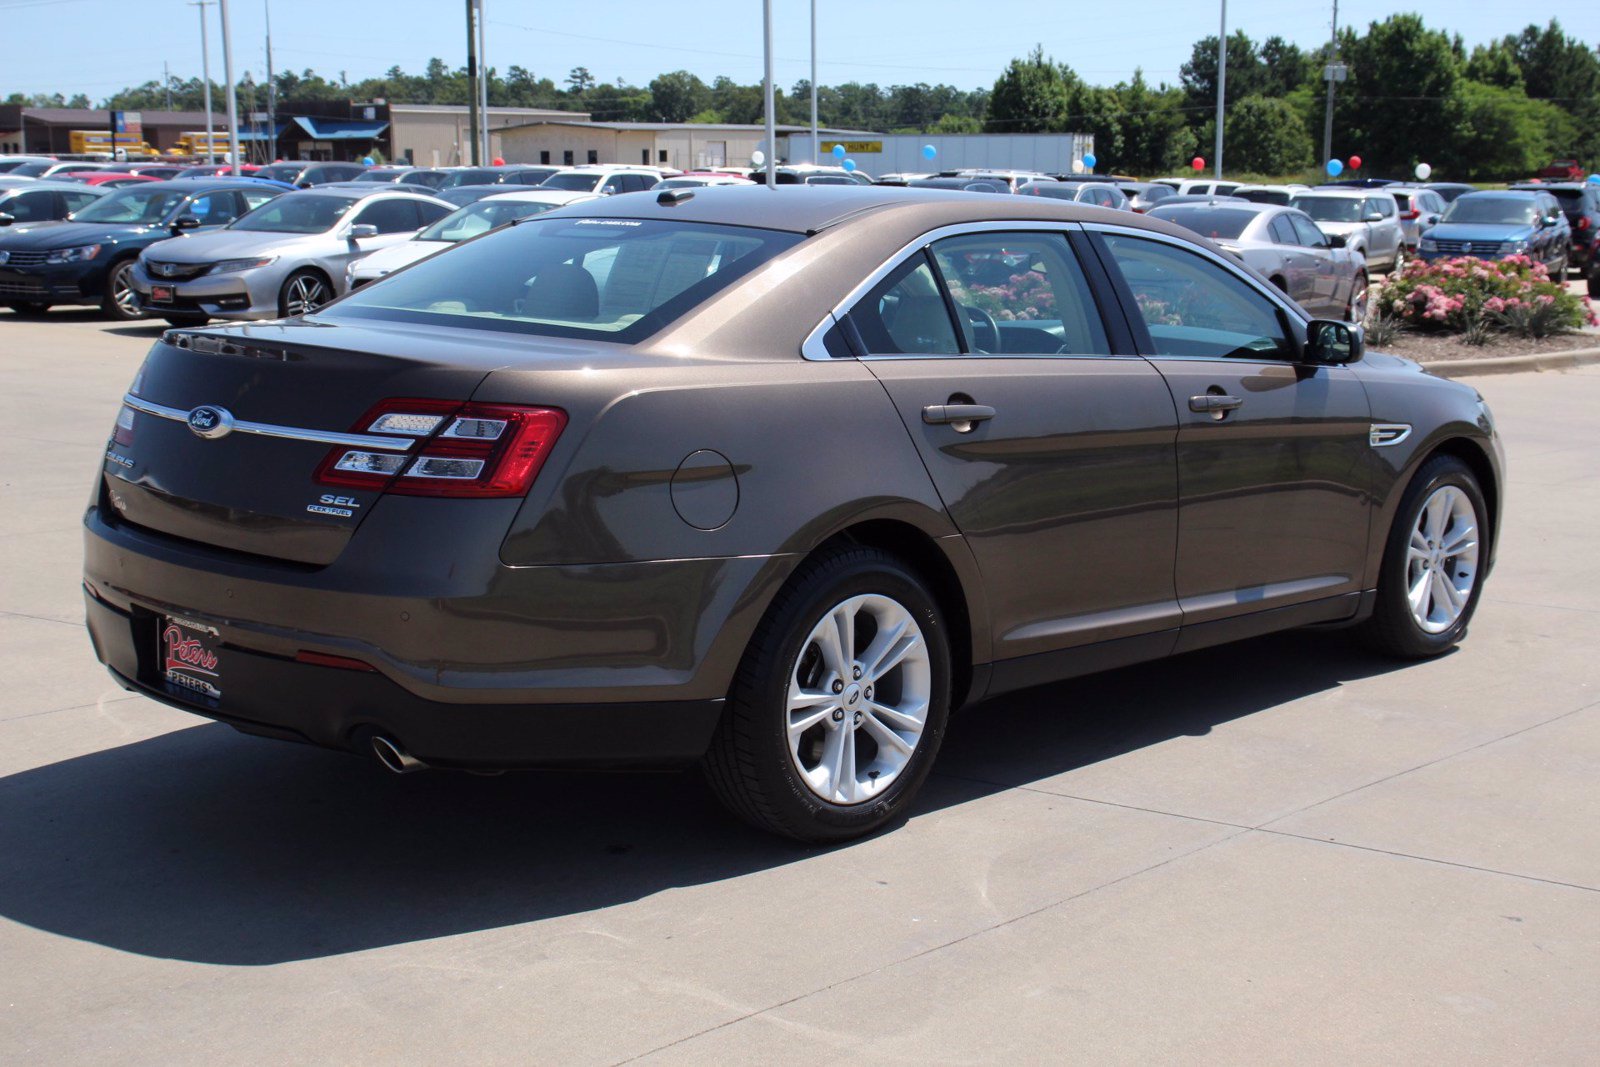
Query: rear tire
[(1355, 309), (1433, 564), (798, 750), (121, 300)]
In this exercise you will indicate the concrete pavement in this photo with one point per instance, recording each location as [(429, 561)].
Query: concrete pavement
[(1283, 850)]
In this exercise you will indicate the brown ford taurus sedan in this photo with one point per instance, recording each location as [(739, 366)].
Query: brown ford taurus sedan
[(769, 480)]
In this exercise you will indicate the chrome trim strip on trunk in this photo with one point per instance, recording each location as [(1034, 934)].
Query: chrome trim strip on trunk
[(290, 433)]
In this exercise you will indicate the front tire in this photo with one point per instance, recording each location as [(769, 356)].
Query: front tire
[(840, 704), (1355, 310), (121, 300), (303, 292), (1433, 565)]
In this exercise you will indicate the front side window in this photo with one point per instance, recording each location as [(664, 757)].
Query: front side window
[(1194, 307), (76, 201), (1383, 206), (389, 216), (600, 279), (1020, 294)]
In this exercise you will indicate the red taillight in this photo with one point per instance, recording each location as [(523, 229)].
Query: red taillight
[(322, 659), (459, 450), (1414, 213), (1583, 222)]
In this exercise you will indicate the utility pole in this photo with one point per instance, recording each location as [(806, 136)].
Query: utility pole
[(272, 93), (166, 82), (1334, 72), (205, 76), (816, 147), (772, 124), (472, 81), (233, 100), (483, 82), (1222, 83)]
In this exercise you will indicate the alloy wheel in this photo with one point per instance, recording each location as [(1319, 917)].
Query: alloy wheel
[(1442, 559), (858, 701), (123, 294), (304, 294)]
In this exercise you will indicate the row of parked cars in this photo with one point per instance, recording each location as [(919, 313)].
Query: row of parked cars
[(283, 240)]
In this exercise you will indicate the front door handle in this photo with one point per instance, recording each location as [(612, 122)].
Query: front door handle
[(1214, 403), (941, 414)]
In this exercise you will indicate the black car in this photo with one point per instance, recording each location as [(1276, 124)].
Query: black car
[(86, 260), (506, 175), (1580, 202), (306, 173), (25, 204), (970, 185), (428, 178), (1450, 190)]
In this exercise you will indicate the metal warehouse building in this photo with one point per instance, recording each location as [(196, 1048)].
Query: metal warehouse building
[(681, 145)]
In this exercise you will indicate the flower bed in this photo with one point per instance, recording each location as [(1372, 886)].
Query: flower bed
[(1478, 298)]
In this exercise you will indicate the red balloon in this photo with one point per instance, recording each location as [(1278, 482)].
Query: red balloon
[(1197, 163), (1355, 162), (499, 162)]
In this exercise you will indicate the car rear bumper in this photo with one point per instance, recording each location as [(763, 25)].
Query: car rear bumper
[(615, 665)]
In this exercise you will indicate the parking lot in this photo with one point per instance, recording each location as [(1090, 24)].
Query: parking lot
[(1283, 850)]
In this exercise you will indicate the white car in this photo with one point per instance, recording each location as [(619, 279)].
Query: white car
[(480, 216), (1200, 186), (1270, 194), (1367, 219), (698, 181), (604, 179)]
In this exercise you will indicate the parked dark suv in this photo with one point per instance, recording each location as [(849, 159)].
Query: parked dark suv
[(304, 174), (1580, 202)]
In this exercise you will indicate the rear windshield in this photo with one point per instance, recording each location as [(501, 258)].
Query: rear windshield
[(607, 279), (145, 207), (1495, 210), (481, 217), (472, 176), (281, 172), (1206, 220), (1329, 208), (299, 213), (1264, 196), (578, 183)]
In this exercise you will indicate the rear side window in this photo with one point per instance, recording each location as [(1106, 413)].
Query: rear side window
[(1194, 307), (906, 313), (1283, 230), (1307, 230), (607, 279), (30, 206), (1020, 293)]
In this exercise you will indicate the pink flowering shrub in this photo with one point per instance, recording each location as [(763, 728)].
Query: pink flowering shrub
[(1027, 295), (1513, 295)]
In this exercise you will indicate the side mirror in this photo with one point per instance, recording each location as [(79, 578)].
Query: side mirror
[(6, 220), (1337, 240), (364, 229), (1333, 343), (1432, 220), (184, 222), (1551, 220), (1374, 216), (302, 185)]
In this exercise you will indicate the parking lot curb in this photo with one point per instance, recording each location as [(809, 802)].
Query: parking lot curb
[(1469, 368)]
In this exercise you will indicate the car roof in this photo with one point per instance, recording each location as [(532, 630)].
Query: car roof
[(538, 195), (365, 191), (1342, 192), (813, 208), (48, 183), (1545, 187), (1503, 194)]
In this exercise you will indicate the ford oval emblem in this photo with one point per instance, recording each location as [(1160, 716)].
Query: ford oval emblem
[(5, 257), (209, 422)]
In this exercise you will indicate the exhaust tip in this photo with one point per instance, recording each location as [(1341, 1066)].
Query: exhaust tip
[(395, 758)]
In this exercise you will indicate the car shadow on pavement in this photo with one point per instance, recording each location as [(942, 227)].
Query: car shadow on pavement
[(208, 846)]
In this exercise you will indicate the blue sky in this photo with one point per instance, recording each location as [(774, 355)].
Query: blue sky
[(90, 46)]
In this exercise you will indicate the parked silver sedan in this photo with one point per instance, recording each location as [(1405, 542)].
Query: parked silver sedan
[(287, 257), (1318, 272)]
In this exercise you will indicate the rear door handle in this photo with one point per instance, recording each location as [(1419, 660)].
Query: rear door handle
[(1213, 403), (941, 414)]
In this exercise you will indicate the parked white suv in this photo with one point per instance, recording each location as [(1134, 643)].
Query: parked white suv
[(1367, 219), (603, 179)]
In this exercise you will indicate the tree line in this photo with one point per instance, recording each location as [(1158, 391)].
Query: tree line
[(1413, 94)]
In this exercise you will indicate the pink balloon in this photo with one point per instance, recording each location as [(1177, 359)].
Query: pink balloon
[(1198, 163)]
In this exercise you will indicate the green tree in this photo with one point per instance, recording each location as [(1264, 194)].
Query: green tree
[(1155, 131), (1033, 95), (677, 96), (579, 80), (1495, 64), (1500, 133), (1396, 103), (1265, 135)]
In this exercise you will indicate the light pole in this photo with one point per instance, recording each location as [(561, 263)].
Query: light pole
[(205, 74), (772, 124), (1333, 72), (1222, 82), (483, 82), (816, 148), (233, 101), (472, 81)]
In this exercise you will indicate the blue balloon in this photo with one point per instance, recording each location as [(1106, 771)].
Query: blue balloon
[(1334, 167), (928, 151), (1594, 179), (838, 151), (849, 164), (367, 160), (1089, 161)]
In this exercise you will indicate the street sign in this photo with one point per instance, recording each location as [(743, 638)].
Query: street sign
[(1335, 72)]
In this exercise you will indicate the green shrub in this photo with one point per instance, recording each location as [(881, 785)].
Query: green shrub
[(1512, 295)]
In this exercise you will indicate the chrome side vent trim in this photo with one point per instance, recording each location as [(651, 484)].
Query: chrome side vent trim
[(1385, 434)]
